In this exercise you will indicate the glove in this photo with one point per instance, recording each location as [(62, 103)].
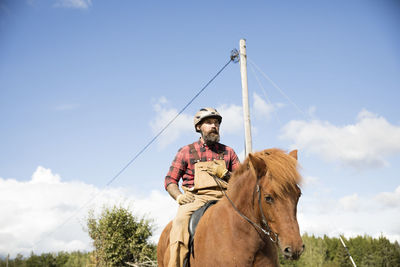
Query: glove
[(217, 169), (186, 198)]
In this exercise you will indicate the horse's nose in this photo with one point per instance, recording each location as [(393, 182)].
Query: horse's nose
[(288, 252)]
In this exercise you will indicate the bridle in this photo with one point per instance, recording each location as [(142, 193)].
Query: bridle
[(266, 230), (271, 234)]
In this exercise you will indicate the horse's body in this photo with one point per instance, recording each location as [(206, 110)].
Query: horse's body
[(225, 238)]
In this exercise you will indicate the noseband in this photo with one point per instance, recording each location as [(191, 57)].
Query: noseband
[(266, 230)]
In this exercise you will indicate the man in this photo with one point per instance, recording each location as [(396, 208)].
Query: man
[(198, 165)]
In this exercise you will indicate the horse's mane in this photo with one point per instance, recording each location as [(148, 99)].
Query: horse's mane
[(281, 171)]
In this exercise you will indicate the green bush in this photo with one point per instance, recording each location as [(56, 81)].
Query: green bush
[(119, 237)]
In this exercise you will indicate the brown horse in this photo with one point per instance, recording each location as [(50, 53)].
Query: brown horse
[(257, 217)]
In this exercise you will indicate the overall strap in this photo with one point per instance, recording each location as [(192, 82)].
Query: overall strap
[(194, 153), (221, 154)]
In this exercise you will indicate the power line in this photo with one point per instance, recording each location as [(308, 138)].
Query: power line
[(306, 115), (278, 88), (265, 94), (233, 57), (169, 123)]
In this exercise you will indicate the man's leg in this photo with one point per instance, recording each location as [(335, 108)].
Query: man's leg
[(179, 235)]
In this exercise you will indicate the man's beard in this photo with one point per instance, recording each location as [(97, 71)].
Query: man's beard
[(211, 138)]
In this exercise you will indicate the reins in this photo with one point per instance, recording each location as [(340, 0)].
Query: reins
[(268, 231)]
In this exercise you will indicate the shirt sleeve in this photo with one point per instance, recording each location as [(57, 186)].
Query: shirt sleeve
[(234, 161), (177, 169)]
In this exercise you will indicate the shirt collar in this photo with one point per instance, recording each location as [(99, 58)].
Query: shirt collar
[(201, 142)]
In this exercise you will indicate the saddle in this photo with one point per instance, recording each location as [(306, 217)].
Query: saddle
[(193, 221)]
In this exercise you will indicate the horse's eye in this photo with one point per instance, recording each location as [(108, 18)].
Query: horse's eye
[(269, 199)]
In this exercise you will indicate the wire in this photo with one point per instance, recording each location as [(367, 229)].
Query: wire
[(168, 124), (307, 116), (278, 88), (265, 94), (233, 57)]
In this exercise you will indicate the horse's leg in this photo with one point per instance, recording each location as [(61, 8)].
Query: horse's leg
[(163, 247)]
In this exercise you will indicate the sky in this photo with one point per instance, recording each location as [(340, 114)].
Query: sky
[(85, 85)]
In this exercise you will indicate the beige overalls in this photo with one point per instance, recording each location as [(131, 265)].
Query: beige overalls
[(205, 189)]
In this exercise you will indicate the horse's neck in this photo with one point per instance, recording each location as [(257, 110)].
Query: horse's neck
[(244, 199), (241, 229), (241, 193)]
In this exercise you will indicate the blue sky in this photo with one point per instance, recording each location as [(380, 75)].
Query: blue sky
[(84, 85)]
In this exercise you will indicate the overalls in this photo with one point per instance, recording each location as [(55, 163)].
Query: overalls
[(205, 189)]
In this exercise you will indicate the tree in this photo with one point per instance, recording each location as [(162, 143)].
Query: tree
[(19, 261), (33, 260), (332, 247), (61, 258), (387, 252), (119, 237), (77, 259), (315, 250)]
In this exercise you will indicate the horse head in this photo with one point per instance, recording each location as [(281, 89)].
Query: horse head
[(277, 195)]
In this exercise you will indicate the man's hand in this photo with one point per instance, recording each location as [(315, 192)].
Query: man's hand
[(217, 169), (186, 198)]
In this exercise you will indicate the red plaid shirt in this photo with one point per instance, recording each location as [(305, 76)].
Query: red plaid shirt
[(183, 164)]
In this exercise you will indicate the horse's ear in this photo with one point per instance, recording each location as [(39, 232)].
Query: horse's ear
[(293, 153), (258, 165)]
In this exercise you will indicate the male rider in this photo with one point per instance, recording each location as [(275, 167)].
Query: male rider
[(197, 164)]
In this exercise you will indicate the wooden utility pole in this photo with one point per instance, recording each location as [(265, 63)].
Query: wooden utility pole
[(245, 97)]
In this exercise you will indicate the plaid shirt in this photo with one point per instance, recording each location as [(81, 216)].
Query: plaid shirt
[(183, 164)]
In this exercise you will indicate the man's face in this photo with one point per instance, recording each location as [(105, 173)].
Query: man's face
[(209, 129)]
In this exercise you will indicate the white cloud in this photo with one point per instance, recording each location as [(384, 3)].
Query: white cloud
[(364, 144), (35, 213), (232, 121), (183, 123), (79, 4), (310, 181), (232, 118), (263, 109), (350, 215), (350, 203), (389, 199), (45, 176)]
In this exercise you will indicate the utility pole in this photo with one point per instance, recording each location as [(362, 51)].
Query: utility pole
[(245, 97)]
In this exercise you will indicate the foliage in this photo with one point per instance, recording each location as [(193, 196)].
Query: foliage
[(324, 252), (60, 259), (329, 252), (119, 237)]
